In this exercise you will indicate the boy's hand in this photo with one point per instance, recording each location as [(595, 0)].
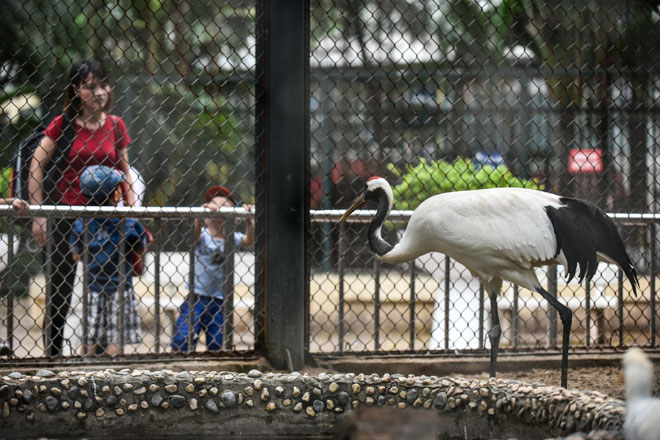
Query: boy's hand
[(20, 206), (248, 220)]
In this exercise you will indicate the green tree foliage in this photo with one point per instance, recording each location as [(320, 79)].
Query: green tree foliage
[(426, 179)]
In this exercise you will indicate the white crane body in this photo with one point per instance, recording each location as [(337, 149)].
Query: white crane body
[(503, 234)]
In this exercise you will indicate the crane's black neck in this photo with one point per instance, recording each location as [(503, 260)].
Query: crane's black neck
[(376, 242)]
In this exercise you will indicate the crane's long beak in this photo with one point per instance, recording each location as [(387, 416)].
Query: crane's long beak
[(359, 201)]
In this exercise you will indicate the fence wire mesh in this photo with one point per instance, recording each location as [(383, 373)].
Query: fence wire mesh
[(436, 96), (442, 96), (183, 82)]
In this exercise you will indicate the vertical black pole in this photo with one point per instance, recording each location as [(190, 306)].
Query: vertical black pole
[(282, 132)]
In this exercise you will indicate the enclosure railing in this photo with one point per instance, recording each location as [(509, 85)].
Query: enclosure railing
[(159, 304), (513, 300), (598, 311)]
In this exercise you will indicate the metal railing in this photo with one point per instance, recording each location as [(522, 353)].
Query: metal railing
[(609, 317), (602, 309), (159, 303)]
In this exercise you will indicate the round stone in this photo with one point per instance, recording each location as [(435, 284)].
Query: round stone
[(411, 396), (81, 416), (318, 405), (111, 401), (44, 373), (51, 403), (100, 412), (440, 400), (132, 407), (298, 407), (265, 394), (177, 401), (140, 391), (171, 388), (120, 412), (343, 398), (310, 411), (193, 404), (154, 388), (228, 399), (190, 388), (254, 373), (258, 384), (211, 406), (270, 407), (296, 392), (27, 396), (333, 387), (156, 400)]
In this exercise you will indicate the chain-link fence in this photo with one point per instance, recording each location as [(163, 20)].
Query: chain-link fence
[(436, 96), (453, 95)]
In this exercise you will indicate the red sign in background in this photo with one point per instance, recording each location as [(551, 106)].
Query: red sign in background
[(585, 161)]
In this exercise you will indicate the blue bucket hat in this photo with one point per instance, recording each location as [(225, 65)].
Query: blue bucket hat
[(98, 182)]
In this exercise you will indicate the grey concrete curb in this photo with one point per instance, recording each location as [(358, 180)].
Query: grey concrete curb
[(164, 403)]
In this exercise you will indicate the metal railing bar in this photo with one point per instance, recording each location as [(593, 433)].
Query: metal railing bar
[(377, 265), (157, 286), (587, 306), (12, 286), (447, 290), (191, 290), (652, 285), (228, 287), (122, 285), (552, 289), (85, 292), (340, 269), (411, 306), (481, 317)]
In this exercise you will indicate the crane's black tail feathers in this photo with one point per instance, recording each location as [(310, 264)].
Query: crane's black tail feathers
[(583, 230)]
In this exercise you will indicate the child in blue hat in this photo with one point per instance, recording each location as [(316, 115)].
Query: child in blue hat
[(102, 186)]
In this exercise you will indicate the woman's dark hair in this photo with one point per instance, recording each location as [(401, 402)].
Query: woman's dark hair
[(77, 76)]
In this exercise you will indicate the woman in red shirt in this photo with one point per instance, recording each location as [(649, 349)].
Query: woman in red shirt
[(100, 139)]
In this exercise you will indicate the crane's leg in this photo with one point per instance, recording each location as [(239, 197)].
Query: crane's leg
[(566, 317), (494, 333)]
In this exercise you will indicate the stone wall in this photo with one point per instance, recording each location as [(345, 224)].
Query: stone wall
[(209, 404)]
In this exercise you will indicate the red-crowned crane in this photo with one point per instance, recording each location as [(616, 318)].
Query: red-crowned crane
[(642, 410), (503, 234)]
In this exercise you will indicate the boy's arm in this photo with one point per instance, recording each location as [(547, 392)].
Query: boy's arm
[(248, 239)]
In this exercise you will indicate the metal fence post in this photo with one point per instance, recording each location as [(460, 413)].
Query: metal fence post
[(228, 287), (282, 131)]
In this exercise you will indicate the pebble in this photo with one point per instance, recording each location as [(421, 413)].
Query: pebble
[(228, 399), (51, 403), (254, 373), (270, 407), (171, 388), (140, 391), (211, 406), (193, 404)]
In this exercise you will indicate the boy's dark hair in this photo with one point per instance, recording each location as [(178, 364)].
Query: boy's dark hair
[(217, 190)]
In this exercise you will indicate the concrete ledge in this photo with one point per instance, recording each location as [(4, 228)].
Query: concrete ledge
[(208, 404)]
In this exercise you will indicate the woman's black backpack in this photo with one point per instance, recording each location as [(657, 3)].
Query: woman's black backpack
[(21, 162)]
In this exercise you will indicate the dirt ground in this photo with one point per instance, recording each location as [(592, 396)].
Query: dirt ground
[(605, 379)]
